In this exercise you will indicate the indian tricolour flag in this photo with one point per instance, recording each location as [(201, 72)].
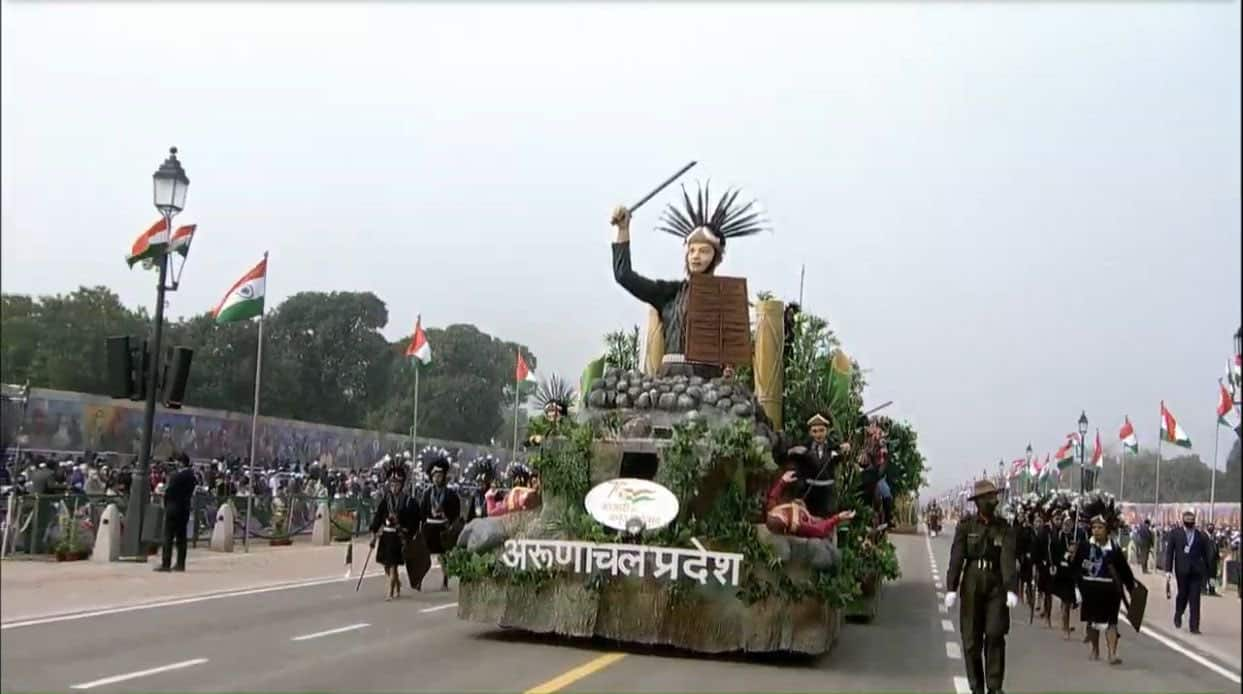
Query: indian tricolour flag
[(149, 244), (419, 348), (182, 238), (523, 372), (1066, 454), (245, 297), (1127, 436), (1048, 469), (1225, 403), (1171, 432)]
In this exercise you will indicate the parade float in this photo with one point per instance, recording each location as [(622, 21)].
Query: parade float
[(643, 512)]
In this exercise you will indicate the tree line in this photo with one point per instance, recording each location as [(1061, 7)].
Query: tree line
[(324, 360)]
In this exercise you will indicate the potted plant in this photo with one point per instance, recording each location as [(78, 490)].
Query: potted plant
[(343, 520), (74, 543)]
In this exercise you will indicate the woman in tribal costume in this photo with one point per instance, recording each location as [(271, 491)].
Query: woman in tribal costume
[(1041, 539), (1101, 573), (1065, 542), (394, 524), (704, 230)]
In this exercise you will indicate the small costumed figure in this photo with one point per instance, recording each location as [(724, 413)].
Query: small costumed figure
[(442, 507), (824, 452), (523, 493), (1101, 574), (554, 398), (704, 229), (393, 525), (788, 514)]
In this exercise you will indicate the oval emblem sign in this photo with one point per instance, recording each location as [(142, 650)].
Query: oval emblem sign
[(631, 505)]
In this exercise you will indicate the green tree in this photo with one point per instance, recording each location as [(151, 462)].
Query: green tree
[(464, 391), (324, 357), (622, 349), (59, 341), (905, 469)]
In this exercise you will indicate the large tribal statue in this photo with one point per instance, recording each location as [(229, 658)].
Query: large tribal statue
[(704, 229)]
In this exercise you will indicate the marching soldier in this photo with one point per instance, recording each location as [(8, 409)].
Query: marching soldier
[(984, 564)]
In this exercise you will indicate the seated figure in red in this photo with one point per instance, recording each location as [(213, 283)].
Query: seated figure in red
[(787, 512), (523, 494)]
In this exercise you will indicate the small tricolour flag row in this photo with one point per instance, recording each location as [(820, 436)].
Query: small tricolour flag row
[(156, 241)]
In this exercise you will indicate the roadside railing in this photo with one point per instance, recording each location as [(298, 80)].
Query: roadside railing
[(64, 524)]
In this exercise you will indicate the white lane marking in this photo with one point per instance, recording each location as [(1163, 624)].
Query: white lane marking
[(947, 625), (940, 596), (439, 607), (943, 609), (309, 583), (330, 632), (141, 673), (1172, 644), (953, 651), (938, 585), (962, 686)]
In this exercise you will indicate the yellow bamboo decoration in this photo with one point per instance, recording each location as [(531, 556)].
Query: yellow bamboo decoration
[(767, 366), (655, 354)]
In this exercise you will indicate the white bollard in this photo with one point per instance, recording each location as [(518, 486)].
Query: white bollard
[(321, 532), (222, 531), (108, 536)]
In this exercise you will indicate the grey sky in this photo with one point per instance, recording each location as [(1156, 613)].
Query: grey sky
[(1010, 212)]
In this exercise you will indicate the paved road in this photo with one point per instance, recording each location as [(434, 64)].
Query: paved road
[(276, 641)]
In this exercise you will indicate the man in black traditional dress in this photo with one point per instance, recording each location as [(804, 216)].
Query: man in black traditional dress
[(442, 509)]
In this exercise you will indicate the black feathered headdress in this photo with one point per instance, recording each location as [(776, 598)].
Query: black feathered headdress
[(395, 467), (481, 469), (699, 220), (1101, 507), (517, 472), (558, 392), (434, 458)]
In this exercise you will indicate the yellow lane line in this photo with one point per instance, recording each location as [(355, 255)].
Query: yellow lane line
[(571, 676)]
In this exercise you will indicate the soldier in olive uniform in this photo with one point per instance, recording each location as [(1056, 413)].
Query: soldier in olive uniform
[(983, 562)]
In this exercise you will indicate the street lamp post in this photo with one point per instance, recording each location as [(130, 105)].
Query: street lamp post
[(1001, 476), (1237, 388), (1027, 484), (1083, 450), (169, 186)]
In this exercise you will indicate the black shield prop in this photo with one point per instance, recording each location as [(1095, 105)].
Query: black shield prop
[(418, 560), (1137, 605)]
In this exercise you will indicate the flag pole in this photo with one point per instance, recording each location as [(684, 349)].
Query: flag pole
[(1121, 471), (1212, 485), (254, 417), (1156, 506), (517, 387), (414, 428)]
